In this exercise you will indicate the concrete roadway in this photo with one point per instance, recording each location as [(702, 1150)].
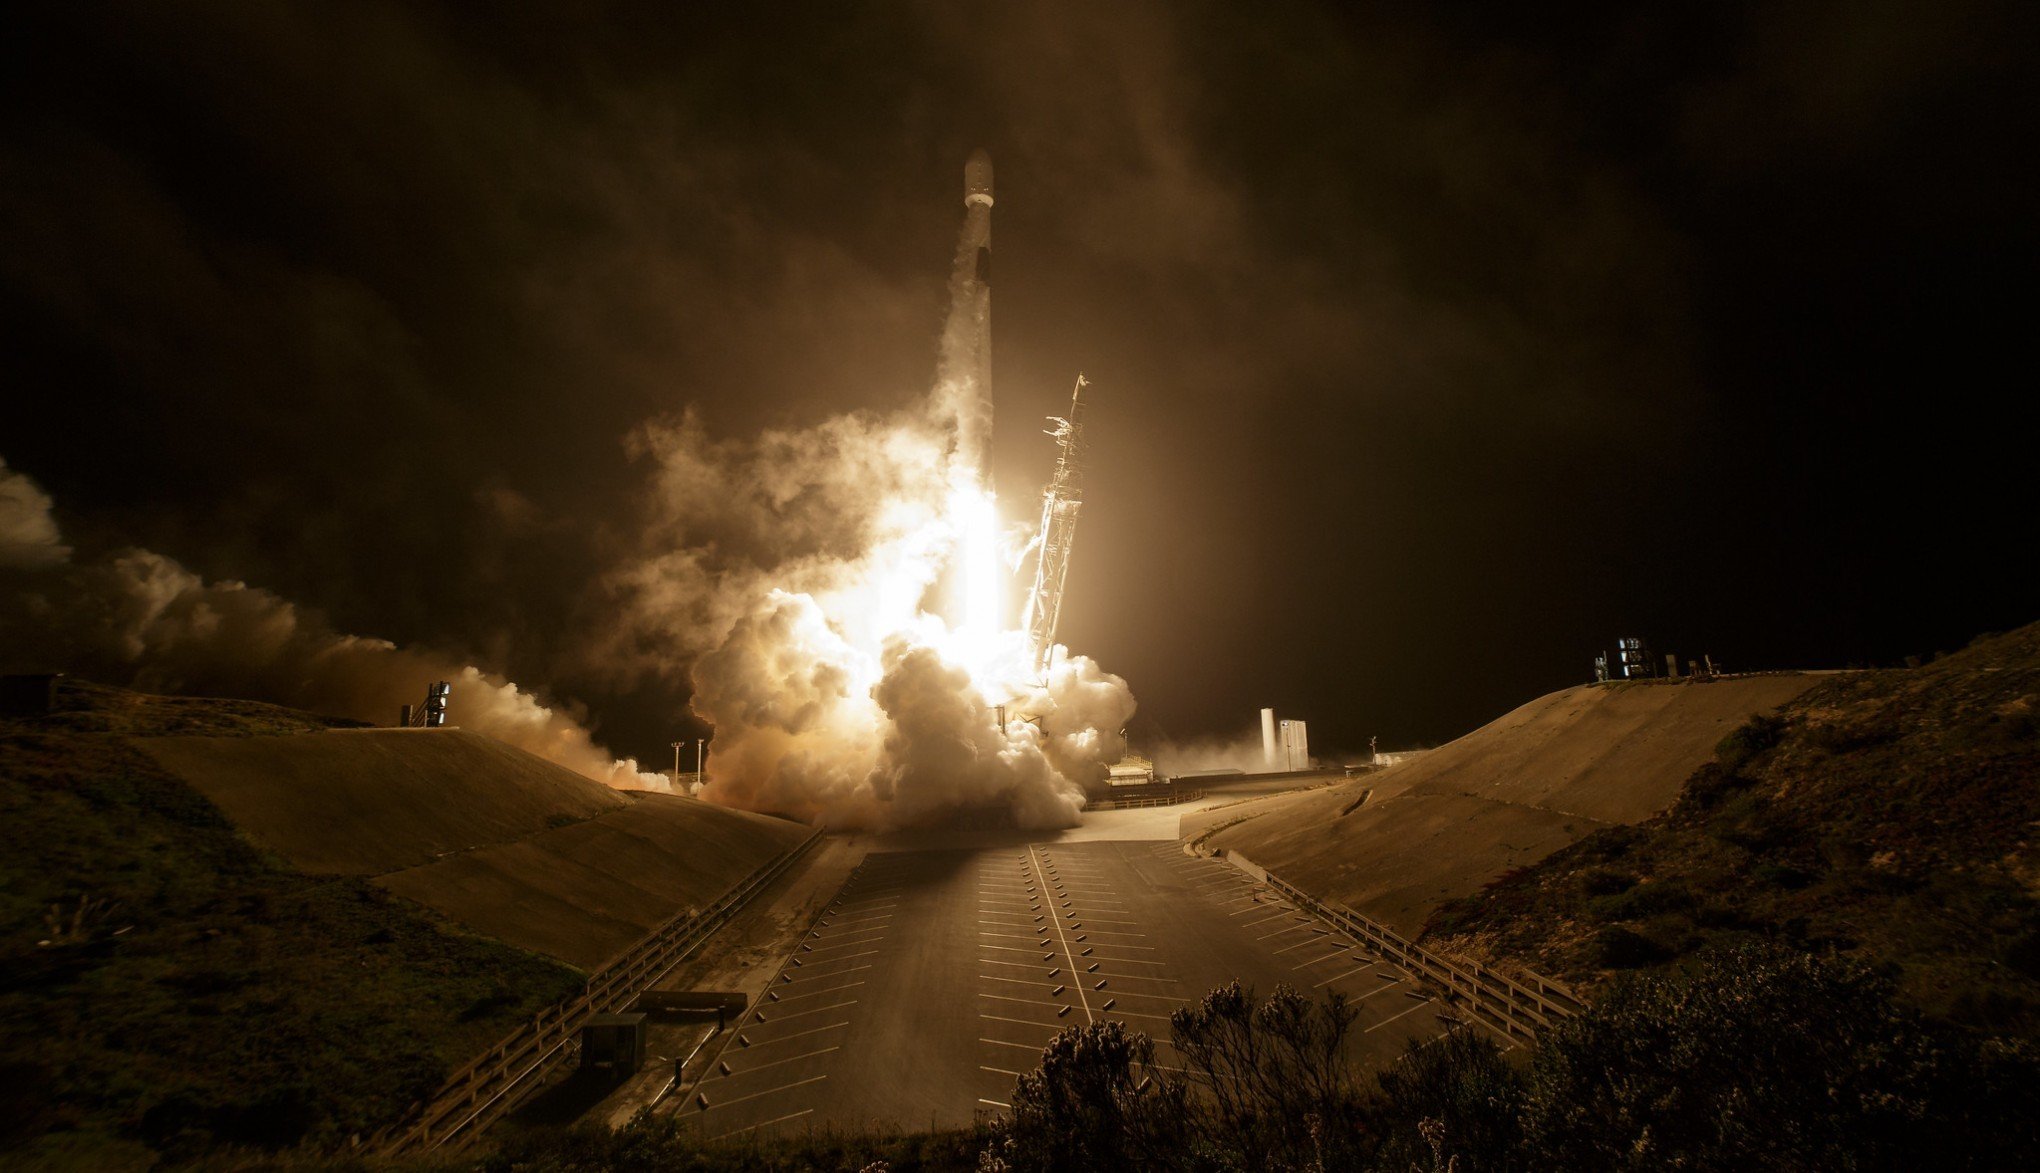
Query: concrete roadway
[(935, 977)]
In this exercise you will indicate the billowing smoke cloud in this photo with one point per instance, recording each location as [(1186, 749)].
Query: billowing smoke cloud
[(29, 537), (140, 619), (798, 574), (792, 571), (1243, 752)]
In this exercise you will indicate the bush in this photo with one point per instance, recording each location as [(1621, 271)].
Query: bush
[(1616, 947), (1751, 738), (1093, 1103), (1764, 1058), (1709, 786), (1450, 1103), (1606, 882)]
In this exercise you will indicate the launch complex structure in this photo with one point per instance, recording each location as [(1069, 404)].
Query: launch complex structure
[(970, 339)]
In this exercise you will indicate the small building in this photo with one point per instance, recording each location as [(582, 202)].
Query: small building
[(1131, 770), (614, 1043)]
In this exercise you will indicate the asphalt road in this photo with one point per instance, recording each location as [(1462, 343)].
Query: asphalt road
[(935, 977)]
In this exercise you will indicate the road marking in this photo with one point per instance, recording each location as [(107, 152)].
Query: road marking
[(1008, 1043), (995, 1103), (1391, 1018), (1327, 957), (772, 1063), (1279, 932), (813, 1030), (1022, 1001), (1141, 977), (1117, 933), (767, 1092), (1349, 973), (992, 977), (1271, 916), (817, 993), (864, 920), (847, 944), (1086, 1002), (1048, 1026), (868, 900), (999, 1071), (779, 1018), (1010, 937), (809, 970), (1383, 990), (1016, 964), (1298, 945)]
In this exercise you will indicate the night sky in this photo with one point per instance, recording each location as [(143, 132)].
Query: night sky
[(1429, 352)]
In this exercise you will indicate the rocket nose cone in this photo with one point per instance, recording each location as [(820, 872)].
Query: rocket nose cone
[(977, 178)]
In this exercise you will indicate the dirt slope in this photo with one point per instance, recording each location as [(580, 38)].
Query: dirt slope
[(1502, 797), (364, 802), (507, 844), (1886, 814), (585, 892)]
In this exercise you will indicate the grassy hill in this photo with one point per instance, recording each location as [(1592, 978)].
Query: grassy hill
[(1890, 816), (1398, 843), (170, 989)]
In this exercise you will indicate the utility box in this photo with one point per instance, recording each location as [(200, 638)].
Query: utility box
[(614, 1043), (32, 695)]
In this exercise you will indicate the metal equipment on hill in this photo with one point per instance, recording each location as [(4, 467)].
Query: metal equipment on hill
[(1060, 503), (432, 715)]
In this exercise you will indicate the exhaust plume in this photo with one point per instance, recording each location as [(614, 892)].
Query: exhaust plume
[(140, 619)]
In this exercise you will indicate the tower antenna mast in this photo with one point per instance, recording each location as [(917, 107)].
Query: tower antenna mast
[(1060, 503)]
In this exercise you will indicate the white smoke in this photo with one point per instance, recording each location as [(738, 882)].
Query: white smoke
[(1244, 753), (141, 619), (29, 537), (801, 562), (797, 573)]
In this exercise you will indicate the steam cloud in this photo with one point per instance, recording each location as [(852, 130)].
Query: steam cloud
[(139, 618), (800, 562)]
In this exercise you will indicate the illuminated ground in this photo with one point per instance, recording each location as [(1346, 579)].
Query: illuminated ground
[(934, 976)]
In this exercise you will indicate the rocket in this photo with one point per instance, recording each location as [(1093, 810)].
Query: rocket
[(969, 340)]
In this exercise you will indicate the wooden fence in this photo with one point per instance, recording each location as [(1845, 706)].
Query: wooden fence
[(491, 1083), (1518, 1004)]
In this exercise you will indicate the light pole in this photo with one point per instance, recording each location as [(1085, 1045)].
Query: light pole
[(676, 761), (699, 743)]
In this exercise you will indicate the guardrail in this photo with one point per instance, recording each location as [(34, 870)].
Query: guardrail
[(1121, 804), (479, 1092), (1518, 1004)]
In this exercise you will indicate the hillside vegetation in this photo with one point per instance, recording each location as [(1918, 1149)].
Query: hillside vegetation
[(171, 990), (1398, 843), (1888, 815)]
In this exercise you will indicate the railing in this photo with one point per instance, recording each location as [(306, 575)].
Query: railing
[(474, 1096), (1517, 1004), (1121, 804)]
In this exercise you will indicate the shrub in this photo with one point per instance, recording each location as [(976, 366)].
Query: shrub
[(1093, 1103), (1751, 738), (1765, 1058), (1453, 1102), (1616, 947), (1645, 900), (1606, 882), (1708, 787)]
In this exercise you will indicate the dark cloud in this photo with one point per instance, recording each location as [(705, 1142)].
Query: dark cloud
[(1431, 351)]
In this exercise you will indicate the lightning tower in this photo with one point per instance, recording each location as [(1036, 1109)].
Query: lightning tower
[(1060, 503)]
